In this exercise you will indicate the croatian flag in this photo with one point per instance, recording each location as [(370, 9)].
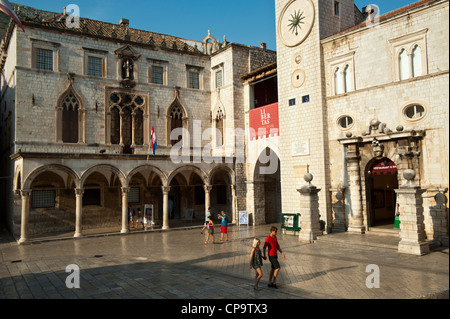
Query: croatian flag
[(154, 142), (6, 7)]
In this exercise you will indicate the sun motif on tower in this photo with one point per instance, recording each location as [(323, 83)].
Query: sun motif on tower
[(296, 21)]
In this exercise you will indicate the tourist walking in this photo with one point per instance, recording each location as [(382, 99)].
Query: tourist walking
[(256, 262), (210, 230), (273, 247), (208, 213)]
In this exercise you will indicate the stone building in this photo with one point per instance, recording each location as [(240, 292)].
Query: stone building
[(355, 100), (363, 98), (79, 101)]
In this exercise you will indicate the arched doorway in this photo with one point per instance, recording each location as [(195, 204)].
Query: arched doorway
[(267, 186), (382, 180)]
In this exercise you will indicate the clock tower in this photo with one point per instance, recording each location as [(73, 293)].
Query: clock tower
[(304, 147)]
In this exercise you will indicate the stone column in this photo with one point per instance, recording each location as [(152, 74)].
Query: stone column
[(79, 212), (125, 191), (309, 207), (412, 228), (165, 191), (233, 203), (356, 224), (26, 194), (208, 189)]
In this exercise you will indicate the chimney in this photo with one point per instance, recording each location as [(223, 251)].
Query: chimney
[(124, 22), (263, 45)]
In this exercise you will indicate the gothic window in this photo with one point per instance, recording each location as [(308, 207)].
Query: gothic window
[(70, 117), (126, 121), (416, 61), (342, 77), (176, 121), (347, 79), (70, 121), (338, 85), (403, 63), (115, 126), (139, 127), (127, 130), (410, 55)]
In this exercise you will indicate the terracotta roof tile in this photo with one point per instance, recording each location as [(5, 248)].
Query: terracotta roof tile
[(110, 31)]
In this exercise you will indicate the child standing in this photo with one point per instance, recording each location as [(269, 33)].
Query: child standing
[(256, 262), (210, 230)]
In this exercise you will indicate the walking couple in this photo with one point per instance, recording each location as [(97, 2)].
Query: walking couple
[(256, 258)]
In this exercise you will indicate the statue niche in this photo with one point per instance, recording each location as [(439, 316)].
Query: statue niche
[(127, 61)]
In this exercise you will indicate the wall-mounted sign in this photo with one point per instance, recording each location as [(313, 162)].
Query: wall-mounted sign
[(264, 122)]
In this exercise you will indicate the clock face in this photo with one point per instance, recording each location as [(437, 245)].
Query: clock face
[(295, 22)]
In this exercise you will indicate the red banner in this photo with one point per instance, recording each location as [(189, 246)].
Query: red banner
[(264, 122)]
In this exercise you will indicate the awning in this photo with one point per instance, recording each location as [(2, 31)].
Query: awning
[(384, 167)]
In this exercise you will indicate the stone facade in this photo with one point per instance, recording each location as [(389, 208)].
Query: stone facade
[(354, 92), (121, 83)]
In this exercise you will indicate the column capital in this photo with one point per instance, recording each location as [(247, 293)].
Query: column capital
[(207, 188), (25, 192), (125, 190), (165, 189), (79, 191)]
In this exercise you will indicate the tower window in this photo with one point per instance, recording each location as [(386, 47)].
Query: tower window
[(336, 8)]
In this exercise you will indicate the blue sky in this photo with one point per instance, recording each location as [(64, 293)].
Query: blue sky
[(243, 21)]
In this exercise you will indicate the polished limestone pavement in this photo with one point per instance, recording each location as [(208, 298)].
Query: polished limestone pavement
[(176, 264)]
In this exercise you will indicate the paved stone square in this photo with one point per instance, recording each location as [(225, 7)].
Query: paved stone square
[(176, 264)]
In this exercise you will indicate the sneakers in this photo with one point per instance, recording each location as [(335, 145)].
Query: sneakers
[(272, 285)]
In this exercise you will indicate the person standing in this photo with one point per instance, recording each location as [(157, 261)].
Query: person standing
[(273, 247), (208, 213), (223, 225), (256, 262), (210, 230)]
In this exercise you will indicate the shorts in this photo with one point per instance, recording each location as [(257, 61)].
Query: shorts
[(211, 231), (274, 262), (224, 229)]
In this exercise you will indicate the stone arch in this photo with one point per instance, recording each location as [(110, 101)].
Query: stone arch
[(226, 168), (202, 174), (54, 168), (162, 175), (266, 188), (102, 169)]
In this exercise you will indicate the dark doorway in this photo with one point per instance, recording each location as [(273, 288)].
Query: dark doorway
[(382, 180)]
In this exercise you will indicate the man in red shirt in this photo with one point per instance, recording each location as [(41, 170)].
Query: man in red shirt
[(273, 246)]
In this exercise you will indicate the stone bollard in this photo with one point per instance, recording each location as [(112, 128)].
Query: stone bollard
[(309, 207), (412, 228), (439, 217)]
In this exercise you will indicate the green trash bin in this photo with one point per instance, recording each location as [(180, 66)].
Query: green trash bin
[(397, 222)]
